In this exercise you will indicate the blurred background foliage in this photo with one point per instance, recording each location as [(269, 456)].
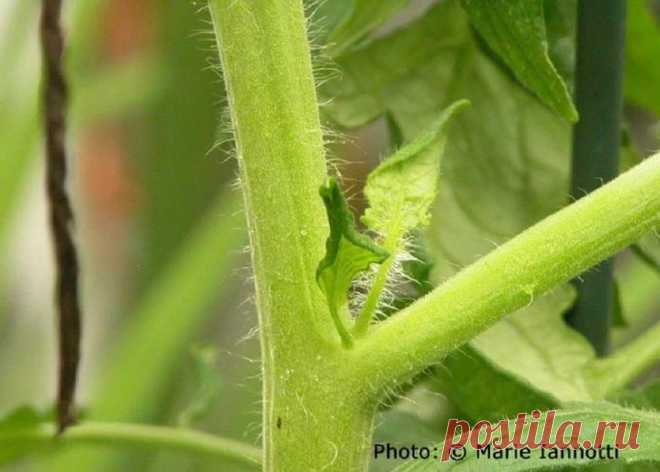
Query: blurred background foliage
[(160, 224)]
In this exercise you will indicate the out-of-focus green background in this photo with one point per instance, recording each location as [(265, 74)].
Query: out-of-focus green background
[(160, 228)]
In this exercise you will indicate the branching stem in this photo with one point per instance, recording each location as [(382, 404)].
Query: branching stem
[(320, 399)]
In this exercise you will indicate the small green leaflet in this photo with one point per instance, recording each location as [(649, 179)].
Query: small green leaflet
[(364, 17), (401, 191), (402, 188), (347, 253), (515, 30), (589, 414)]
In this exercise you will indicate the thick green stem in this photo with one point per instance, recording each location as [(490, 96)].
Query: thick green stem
[(268, 75), (596, 142), (313, 419), (549, 253), (132, 435)]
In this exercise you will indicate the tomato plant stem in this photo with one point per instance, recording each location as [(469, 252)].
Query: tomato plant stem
[(319, 398), (371, 304), (313, 416), (596, 142)]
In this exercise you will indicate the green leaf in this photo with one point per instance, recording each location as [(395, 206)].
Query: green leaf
[(347, 253), (401, 428), (22, 419), (645, 397), (618, 318), (398, 426), (530, 359), (643, 251), (401, 191), (364, 17), (561, 24), (515, 30), (507, 161), (508, 393), (630, 155), (642, 70), (208, 384), (406, 71), (552, 360), (325, 17), (589, 414), (402, 188)]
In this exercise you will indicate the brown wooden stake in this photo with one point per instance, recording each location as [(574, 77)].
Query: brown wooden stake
[(61, 216)]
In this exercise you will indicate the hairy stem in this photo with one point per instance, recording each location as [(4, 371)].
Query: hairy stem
[(373, 298), (268, 75), (132, 435), (312, 418), (366, 315), (549, 253), (596, 142)]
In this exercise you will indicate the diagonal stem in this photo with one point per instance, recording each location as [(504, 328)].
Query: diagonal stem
[(545, 255)]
